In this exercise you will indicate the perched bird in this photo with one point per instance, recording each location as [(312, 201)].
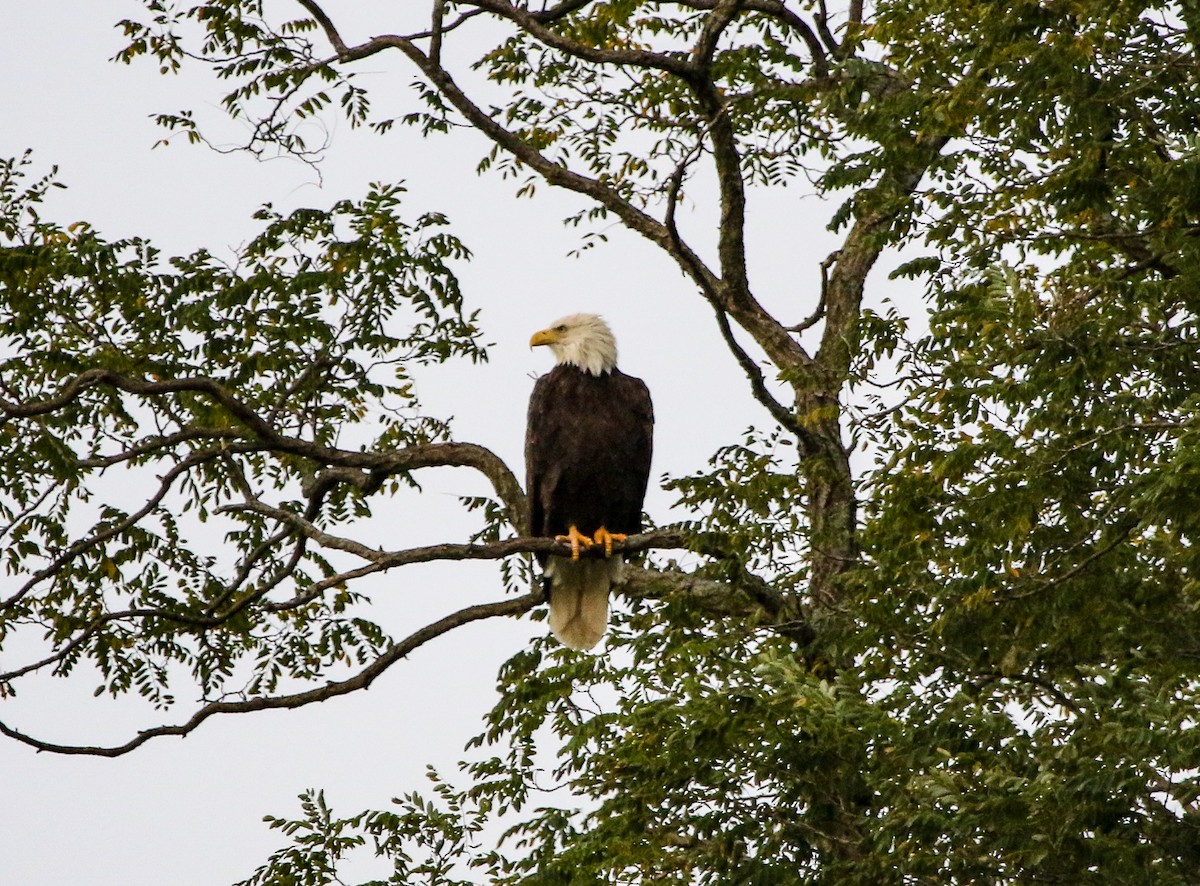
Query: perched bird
[(587, 463)]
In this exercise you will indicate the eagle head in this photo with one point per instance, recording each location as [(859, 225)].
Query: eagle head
[(582, 340)]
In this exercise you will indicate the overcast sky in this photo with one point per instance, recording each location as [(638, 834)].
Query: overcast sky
[(189, 811)]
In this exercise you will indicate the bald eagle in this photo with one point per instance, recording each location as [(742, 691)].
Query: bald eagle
[(587, 463)]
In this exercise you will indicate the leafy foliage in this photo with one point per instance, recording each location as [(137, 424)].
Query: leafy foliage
[(974, 661), (229, 384)]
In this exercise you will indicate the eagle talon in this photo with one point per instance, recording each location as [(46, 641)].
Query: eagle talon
[(606, 538), (576, 540)]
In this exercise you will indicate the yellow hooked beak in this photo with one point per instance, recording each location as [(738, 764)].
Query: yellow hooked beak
[(544, 337)]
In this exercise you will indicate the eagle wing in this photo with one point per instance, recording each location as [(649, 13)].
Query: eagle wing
[(588, 446)]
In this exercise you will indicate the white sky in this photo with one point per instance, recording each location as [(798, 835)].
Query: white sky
[(189, 811)]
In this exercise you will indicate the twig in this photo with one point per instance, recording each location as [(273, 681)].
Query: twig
[(819, 311)]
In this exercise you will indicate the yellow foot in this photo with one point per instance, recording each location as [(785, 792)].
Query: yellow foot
[(577, 540), (606, 538)]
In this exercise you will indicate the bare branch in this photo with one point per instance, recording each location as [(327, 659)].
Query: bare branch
[(839, 48), (731, 235), (822, 18), (546, 16), (754, 374), (856, 12), (863, 245), (435, 31), (732, 296), (326, 23), (723, 14), (819, 312), (564, 8), (758, 383)]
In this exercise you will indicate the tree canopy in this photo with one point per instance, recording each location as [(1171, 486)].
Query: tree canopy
[(937, 619)]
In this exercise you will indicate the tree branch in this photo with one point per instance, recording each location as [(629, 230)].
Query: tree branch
[(750, 598), (379, 560), (723, 14), (264, 436), (362, 680), (758, 384), (863, 245), (326, 23), (771, 336), (779, 11), (819, 311), (732, 295), (83, 545), (435, 31), (532, 24), (754, 374), (658, 539)]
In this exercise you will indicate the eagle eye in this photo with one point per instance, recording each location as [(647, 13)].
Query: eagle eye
[(560, 328)]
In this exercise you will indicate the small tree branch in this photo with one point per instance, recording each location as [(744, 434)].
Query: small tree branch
[(561, 10), (264, 436), (362, 680), (758, 384), (754, 374), (819, 311), (780, 12), (750, 598), (86, 544), (532, 24), (331, 32), (732, 296), (839, 49), (435, 31), (863, 245), (496, 550), (723, 14)]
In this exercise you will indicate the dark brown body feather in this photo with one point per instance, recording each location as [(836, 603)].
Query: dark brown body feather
[(587, 452)]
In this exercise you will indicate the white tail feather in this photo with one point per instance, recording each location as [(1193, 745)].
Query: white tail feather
[(579, 598)]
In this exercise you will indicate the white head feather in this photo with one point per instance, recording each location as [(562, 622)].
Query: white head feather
[(582, 340)]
